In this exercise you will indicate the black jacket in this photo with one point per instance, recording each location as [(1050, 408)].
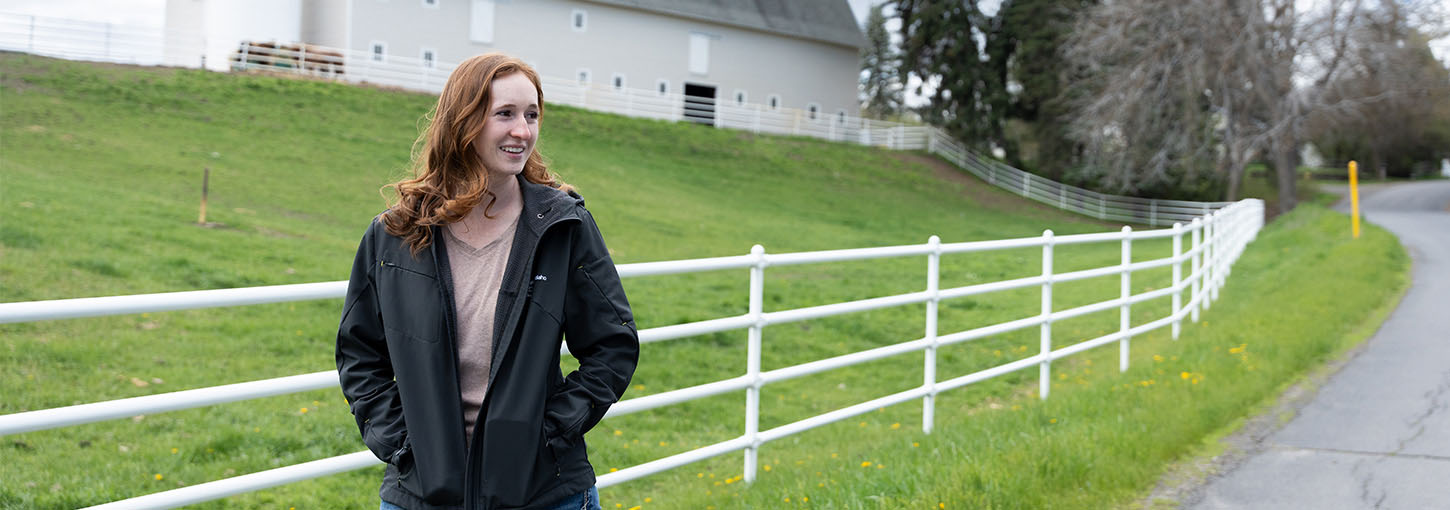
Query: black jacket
[(396, 358)]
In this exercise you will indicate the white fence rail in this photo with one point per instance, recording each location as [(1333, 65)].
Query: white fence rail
[(113, 43), (1208, 246)]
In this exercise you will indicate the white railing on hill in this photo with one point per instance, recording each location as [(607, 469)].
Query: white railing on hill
[(113, 43), (1209, 245)]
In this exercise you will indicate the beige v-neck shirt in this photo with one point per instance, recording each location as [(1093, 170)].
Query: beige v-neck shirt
[(477, 275)]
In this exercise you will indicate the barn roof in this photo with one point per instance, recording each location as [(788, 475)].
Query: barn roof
[(821, 20)]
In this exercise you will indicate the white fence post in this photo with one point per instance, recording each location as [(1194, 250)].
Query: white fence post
[(1177, 277), (933, 284), (1061, 196), (1044, 371), (1153, 212), (752, 364), (1102, 208), (1197, 242), (1026, 184), (30, 38), (1125, 311), (1210, 255)]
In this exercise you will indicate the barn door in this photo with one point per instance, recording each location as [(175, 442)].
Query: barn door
[(700, 103)]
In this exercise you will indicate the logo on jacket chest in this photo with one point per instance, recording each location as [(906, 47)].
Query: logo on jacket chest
[(541, 278)]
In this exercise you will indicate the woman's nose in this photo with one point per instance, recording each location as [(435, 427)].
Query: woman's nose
[(520, 129)]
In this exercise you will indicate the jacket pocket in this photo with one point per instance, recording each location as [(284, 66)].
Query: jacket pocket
[(411, 310)]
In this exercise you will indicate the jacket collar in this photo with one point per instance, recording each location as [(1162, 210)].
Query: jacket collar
[(544, 205)]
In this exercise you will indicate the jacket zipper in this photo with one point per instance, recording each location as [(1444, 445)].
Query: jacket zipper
[(385, 263), (469, 488)]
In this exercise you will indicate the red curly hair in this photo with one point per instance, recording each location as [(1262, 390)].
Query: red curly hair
[(449, 178)]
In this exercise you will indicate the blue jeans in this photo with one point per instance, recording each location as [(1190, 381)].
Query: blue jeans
[(587, 500)]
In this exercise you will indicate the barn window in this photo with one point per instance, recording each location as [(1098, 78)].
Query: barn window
[(617, 81), (579, 20), (840, 117), (739, 97), (480, 26), (773, 102), (429, 58), (380, 51), (699, 53), (813, 110), (583, 75), (663, 86)]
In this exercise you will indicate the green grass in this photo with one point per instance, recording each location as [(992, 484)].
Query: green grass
[(99, 192)]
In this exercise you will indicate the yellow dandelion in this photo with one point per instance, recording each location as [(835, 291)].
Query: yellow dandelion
[(787, 500), (997, 353), (1157, 358), (618, 432), (1062, 377), (158, 476), (639, 387), (1054, 420), (174, 451), (717, 484), (647, 500), (863, 424), (833, 455), (805, 499), (865, 463), (699, 475), (635, 507), (729, 481), (895, 426), (822, 484), (915, 444), (879, 466), (767, 467), (611, 470), (303, 411), (1184, 375), (619, 505), (664, 443), (941, 505)]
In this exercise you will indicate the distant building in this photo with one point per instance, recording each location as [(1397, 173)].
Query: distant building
[(779, 53)]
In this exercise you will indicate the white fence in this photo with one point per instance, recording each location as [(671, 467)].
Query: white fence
[(1208, 246), (113, 43)]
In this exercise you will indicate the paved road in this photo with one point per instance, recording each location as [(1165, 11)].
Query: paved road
[(1377, 434)]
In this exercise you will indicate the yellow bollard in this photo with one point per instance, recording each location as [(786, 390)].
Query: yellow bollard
[(1354, 195)]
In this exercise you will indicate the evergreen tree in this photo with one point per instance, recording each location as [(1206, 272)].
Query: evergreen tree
[(940, 46), (881, 86)]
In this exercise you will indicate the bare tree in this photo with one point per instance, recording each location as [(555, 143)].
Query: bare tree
[(1170, 88)]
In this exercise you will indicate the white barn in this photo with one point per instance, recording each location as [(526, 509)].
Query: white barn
[(783, 54)]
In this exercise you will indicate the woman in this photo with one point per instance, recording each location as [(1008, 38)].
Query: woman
[(448, 349)]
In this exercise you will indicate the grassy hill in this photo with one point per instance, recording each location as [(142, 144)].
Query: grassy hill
[(100, 175)]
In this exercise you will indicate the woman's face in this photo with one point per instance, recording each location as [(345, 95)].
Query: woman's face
[(511, 127)]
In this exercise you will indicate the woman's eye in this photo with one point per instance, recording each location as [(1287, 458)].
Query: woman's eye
[(504, 113), (533, 115)]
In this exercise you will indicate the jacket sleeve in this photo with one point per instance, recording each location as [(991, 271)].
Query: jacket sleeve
[(600, 332), (363, 365)]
